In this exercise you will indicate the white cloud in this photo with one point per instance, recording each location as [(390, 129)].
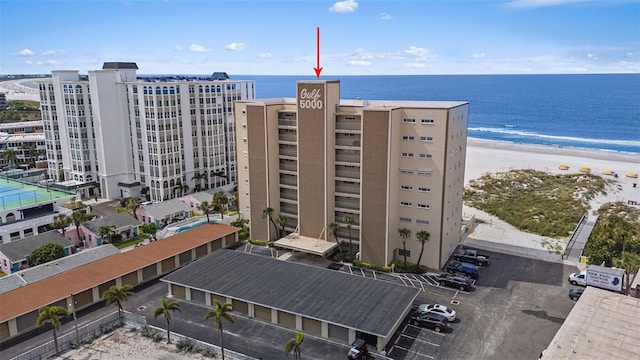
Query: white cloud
[(529, 4), (416, 65), (479, 55), (49, 62), (235, 46), (265, 55), (592, 56), (198, 48), (25, 52), (385, 16), (52, 52), (179, 48), (29, 62), (345, 6), (415, 51), (359, 63)]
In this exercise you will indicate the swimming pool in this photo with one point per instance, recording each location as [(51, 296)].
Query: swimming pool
[(190, 226)]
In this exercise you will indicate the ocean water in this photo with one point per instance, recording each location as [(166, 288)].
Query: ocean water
[(597, 112), (591, 111)]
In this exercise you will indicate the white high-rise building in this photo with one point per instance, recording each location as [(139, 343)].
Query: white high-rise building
[(115, 135)]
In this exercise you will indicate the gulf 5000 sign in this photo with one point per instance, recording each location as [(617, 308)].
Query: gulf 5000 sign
[(310, 99)]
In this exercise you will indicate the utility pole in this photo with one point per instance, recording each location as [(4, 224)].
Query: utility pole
[(75, 319)]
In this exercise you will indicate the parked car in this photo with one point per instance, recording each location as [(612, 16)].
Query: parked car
[(471, 256), (463, 268), (461, 282), (430, 321), (442, 310), (578, 278), (574, 294), (358, 350)]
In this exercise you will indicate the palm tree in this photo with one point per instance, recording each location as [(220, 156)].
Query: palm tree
[(220, 201), (220, 312), (333, 230), (348, 220), (404, 235), (9, 156), (282, 221), (423, 236), (205, 207), (61, 221), (219, 174), (198, 177), (52, 314), (107, 231), (165, 310), (295, 345), (131, 205), (118, 295), (267, 213), (78, 217), (184, 189), (630, 262), (145, 192)]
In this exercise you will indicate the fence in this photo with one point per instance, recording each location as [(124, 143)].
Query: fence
[(81, 334), (574, 235)]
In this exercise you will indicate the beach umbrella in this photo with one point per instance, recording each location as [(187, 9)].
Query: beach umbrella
[(563, 167), (632, 175), (585, 169), (608, 172)]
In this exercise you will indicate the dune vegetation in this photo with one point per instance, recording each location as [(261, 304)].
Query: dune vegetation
[(533, 201)]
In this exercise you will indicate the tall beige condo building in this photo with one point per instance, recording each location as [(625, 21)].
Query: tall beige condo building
[(388, 164)]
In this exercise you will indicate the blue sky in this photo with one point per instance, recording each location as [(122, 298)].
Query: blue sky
[(358, 37)]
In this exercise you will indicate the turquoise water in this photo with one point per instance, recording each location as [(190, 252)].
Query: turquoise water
[(187, 227)]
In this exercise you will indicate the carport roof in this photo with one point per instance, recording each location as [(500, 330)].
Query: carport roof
[(367, 305), (52, 289)]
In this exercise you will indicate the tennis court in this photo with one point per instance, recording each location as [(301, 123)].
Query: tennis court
[(16, 194)]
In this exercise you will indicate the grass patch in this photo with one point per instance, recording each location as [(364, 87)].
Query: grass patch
[(534, 201), (128, 243), (2, 274)]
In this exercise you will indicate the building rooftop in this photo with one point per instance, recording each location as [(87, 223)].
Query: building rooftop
[(119, 220), (364, 304), (18, 250), (168, 207), (386, 105), (120, 66), (601, 325), (34, 295), (36, 273)]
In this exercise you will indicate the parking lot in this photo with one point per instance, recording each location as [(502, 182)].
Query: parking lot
[(513, 312)]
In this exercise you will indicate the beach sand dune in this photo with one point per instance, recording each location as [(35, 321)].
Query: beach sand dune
[(14, 90)]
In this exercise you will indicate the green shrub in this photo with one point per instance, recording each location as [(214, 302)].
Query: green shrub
[(261, 242), (399, 264), (206, 352), (152, 334), (371, 266), (186, 346)]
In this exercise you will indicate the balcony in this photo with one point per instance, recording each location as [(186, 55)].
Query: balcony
[(348, 142), (290, 123), (348, 158), (287, 137), (289, 180), (347, 189), (348, 125), (349, 172), (288, 209), (288, 194), (288, 152), (347, 204), (293, 167)]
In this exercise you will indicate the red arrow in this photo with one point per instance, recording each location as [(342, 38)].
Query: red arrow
[(318, 69)]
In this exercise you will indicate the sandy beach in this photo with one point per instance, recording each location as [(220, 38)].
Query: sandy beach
[(14, 90)]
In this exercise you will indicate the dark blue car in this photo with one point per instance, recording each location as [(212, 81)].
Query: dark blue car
[(463, 268)]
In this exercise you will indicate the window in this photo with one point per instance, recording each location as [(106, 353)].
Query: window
[(422, 206), (426, 138), (426, 121), (424, 172), (407, 137), (423, 189), (409, 121), (406, 171), (404, 219), (425, 156), (423, 222), (405, 203), (407, 154), (405, 187)]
